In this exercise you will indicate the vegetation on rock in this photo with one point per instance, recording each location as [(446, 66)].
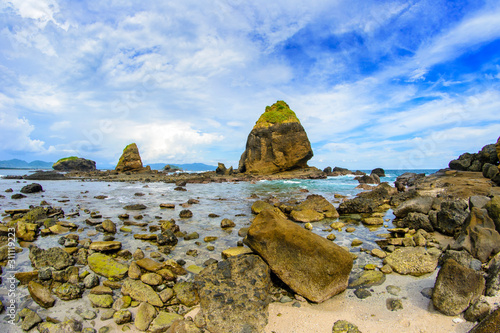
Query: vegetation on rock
[(278, 113), (70, 158)]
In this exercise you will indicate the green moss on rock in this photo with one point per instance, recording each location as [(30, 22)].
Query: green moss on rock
[(278, 113), (70, 158)]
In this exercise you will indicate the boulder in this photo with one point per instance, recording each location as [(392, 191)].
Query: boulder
[(463, 257), (417, 205), (106, 266), (277, 143), (221, 169), (478, 236), (318, 208), (488, 154), (463, 162), (311, 265), (416, 221), (357, 205), (74, 163), (490, 324), (371, 179), (493, 277), (54, 257), (407, 179), (493, 208), (145, 315), (259, 205), (130, 160), (234, 294), (141, 292), (451, 217), (187, 293), (478, 201), (415, 261), (32, 188), (456, 288), (378, 171), (41, 295)]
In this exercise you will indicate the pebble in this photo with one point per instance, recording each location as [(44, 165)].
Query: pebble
[(394, 304), (350, 229), (362, 293), (285, 299), (457, 320), (393, 290)]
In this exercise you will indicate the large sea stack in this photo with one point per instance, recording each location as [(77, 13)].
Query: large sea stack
[(131, 160), (74, 163), (277, 143)]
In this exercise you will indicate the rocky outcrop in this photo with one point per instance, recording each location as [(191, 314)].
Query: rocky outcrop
[(277, 143), (131, 160), (456, 288), (74, 163), (234, 294), (475, 162), (311, 265), (378, 171)]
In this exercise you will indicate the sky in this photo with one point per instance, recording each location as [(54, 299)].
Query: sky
[(394, 84)]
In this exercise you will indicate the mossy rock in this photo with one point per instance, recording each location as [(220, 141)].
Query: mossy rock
[(278, 113), (64, 159), (101, 301), (106, 266), (163, 321)]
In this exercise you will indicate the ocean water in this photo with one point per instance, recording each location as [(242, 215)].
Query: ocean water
[(228, 200)]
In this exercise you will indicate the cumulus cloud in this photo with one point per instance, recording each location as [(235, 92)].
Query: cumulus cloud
[(15, 135)]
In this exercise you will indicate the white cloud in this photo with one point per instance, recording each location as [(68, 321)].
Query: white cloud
[(15, 135)]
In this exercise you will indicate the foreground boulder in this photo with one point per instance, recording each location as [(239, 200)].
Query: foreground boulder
[(456, 288), (314, 208), (415, 261), (74, 163), (490, 324), (234, 294), (277, 143), (309, 264), (131, 160)]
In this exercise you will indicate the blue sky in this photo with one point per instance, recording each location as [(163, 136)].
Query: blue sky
[(392, 84)]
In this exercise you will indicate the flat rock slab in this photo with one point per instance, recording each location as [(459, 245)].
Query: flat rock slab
[(106, 266), (311, 265), (54, 257), (412, 260), (141, 292), (106, 246)]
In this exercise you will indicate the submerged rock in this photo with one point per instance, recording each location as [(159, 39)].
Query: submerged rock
[(234, 294), (54, 257), (106, 266), (32, 188), (311, 265), (277, 143)]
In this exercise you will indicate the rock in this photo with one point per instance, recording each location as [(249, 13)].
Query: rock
[(343, 326), (394, 304), (463, 162), (415, 261), (54, 257), (478, 201), (135, 207), (149, 264), (30, 319), (152, 279), (451, 217), (145, 315), (490, 171), (141, 292), (18, 196), (121, 317), (32, 188), (109, 226), (277, 143), (186, 293), (490, 324), (105, 246), (368, 279), (91, 281), (378, 171), (68, 291), (493, 277), (259, 205), (227, 223), (416, 221), (185, 214), (183, 326), (356, 206), (101, 301), (479, 236), (463, 257), (163, 321), (416, 205), (456, 288), (362, 293), (493, 208), (478, 310), (323, 273), (319, 204), (221, 169), (378, 253), (130, 160), (371, 179), (67, 326), (488, 154), (235, 251), (306, 216), (234, 294), (106, 266), (74, 163), (41, 295)]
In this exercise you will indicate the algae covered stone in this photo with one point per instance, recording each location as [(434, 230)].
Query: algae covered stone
[(141, 292), (101, 301), (106, 266), (412, 260), (163, 321)]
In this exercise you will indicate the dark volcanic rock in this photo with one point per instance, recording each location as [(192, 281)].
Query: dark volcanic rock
[(311, 265), (357, 205), (74, 163), (456, 288), (278, 142), (32, 188), (378, 171), (451, 217), (371, 179), (407, 179), (234, 294)]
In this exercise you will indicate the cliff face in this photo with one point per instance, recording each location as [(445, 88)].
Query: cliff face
[(130, 160), (277, 143)]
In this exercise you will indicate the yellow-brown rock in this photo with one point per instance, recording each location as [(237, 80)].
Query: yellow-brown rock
[(277, 143), (130, 160)]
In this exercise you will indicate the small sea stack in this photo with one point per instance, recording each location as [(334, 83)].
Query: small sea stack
[(131, 160)]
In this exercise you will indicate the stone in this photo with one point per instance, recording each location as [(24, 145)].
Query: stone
[(152, 279), (163, 321), (415, 261), (109, 226), (105, 246), (478, 201), (362, 293), (32, 188), (74, 163), (379, 172), (463, 257), (456, 288), (41, 295), (68, 291), (277, 143), (67, 326), (101, 301), (416, 221), (343, 326), (490, 324), (106, 266), (141, 292), (121, 317), (306, 215), (88, 314), (30, 319), (130, 160), (368, 279), (493, 277), (145, 315), (451, 217), (54, 257), (235, 251), (101, 290), (394, 304), (183, 326), (134, 271), (357, 205), (309, 264), (378, 253), (186, 293), (234, 294), (135, 207), (259, 205), (318, 204), (417, 205), (478, 310), (373, 220), (185, 214), (493, 208), (91, 281), (227, 223), (166, 294)]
